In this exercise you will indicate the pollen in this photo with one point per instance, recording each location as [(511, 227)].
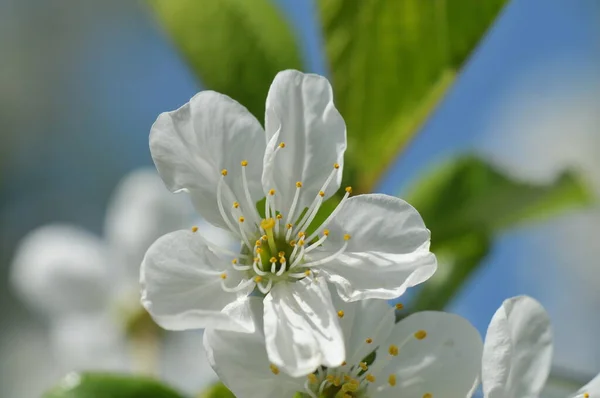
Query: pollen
[(258, 243), (420, 335), (224, 172), (299, 184), (326, 232), (321, 193), (274, 369), (271, 192), (267, 223), (392, 380), (336, 166), (350, 387), (288, 226), (258, 279), (399, 306), (292, 243), (301, 242), (279, 216), (258, 250), (363, 366), (347, 237), (427, 395), (264, 237), (370, 378), (340, 314), (236, 205), (273, 260), (244, 163), (194, 229), (223, 275), (282, 260), (241, 219), (312, 378), (393, 350), (282, 145), (301, 234), (348, 189), (307, 272), (234, 261), (281, 254), (369, 340), (344, 363), (586, 395)]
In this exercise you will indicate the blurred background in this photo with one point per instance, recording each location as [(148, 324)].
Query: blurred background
[(485, 117)]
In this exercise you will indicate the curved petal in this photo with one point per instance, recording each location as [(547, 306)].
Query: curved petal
[(190, 147), (445, 363), (89, 342), (388, 251), (301, 327), (518, 350), (301, 113), (61, 269), (592, 389), (140, 211), (240, 360), (181, 285)]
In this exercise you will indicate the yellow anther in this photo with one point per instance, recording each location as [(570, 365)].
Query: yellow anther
[(399, 306), (267, 223), (288, 226), (393, 350), (258, 279), (363, 366), (350, 387), (282, 145), (273, 260), (312, 378), (321, 193), (274, 369), (336, 166), (223, 275), (194, 229), (347, 237), (392, 380), (281, 254), (326, 232), (354, 381), (307, 272), (234, 261), (337, 381), (370, 378), (282, 260), (344, 363), (420, 335), (244, 163), (329, 378), (586, 395), (258, 242), (279, 216), (258, 250), (348, 189), (224, 172), (271, 192), (301, 234), (428, 395), (264, 237), (292, 243), (298, 184), (241, 219), (369, 340), (301, 242), (347, 378), (236, 205), (256, 259), (340, 314)]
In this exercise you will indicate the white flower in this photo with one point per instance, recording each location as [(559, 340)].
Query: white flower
[(371, 246), (88, 287), (517, 353), (427, 354)]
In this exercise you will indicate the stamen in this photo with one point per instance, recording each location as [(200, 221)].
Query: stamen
[(370, 378), (290, 216), (340, 314), (264, 289), (249, 202), (363, 366), (241, 286), (274, 369), (258, 270), (194, 229), (332, 215), (420, 335), (399, 306), (273, 262), (306, 223), (328, 258), (309, 391), (220, 204), (393, 350), (283, 266), (268, 225), (298, 257), (392, 380), (369, 340), (318, 198), (317, 243)]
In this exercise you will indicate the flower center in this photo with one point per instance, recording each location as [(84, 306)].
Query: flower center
[(275, 248)]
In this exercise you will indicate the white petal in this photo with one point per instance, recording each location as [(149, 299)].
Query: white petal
[(89, 342), (301, 327), (592, 388), (301, 113), (445, 363), (61, 269), (518, 350), (190, 147), (181, 285), (140, 211), (240, 360), (388, 251)]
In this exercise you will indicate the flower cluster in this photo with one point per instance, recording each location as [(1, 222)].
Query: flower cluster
[(299, 309)]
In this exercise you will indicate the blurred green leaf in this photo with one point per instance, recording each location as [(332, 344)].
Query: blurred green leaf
[(236, 47), (466, 202), (391, 63), (104, 385), (217, 391)]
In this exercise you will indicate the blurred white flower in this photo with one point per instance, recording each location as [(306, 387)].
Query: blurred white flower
[(88, 287), (427, 354), (371, 246), (517, 352)]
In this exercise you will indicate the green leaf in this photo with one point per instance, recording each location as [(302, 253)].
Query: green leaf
[(391, 63), (105, 385), (217, 391), (235, 47), (466, 202)]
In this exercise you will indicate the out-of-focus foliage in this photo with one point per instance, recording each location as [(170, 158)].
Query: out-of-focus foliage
[(102, 385), (217, 391), (391, 62), (466, 203), (235, 47)]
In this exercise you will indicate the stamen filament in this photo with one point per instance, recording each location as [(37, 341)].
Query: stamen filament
[(319, 196), (298, 258), (282, 269), (222, 209), (258, 270), (241, 267), (241, 286), (290, 216), (330, 217), (308, 390), (312, 216), (328, 258), (251, 205), (316, 244), (265, 289)]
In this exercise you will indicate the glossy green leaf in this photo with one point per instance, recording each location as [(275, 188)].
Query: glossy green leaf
[(104, 385), (466, 202), (391, 62), (235, 47)]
